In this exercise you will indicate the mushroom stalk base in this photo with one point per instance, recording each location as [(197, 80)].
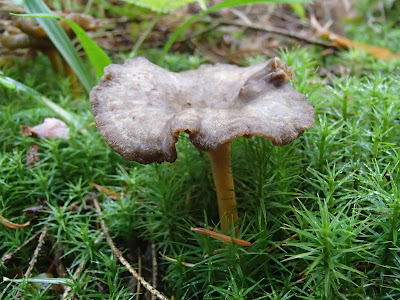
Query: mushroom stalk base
[(220, 159)]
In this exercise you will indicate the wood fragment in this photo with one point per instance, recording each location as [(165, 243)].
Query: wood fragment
[(220, 236), (120, 257)]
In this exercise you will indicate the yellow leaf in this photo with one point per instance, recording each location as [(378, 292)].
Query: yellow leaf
[(342, 42)]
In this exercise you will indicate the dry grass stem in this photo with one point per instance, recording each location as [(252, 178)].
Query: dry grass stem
[(189, 265), (39, 246), (10, 255), (123, 261), (154, 266), (138, 287), (280, 31), (77, 273), (34, 258)]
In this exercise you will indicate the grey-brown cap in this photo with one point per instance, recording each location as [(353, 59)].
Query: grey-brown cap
[(140, 108)]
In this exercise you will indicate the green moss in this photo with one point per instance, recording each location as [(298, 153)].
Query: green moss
[(336, 189)]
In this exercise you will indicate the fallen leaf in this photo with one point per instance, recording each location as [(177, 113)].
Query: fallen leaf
[(32, 156), (27, 131), (50, 128), (220, 236), (12, 225), (33, 211), (110, 193), (342, 42)]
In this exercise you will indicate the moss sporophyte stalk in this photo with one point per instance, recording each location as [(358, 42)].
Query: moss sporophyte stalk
[(140, 109)]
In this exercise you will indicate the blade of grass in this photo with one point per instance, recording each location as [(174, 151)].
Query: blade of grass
[(161, 6), (65, 281), (60, 40), (226, 4), (144, 36), (17, 86), (299, 10), (96, 55)]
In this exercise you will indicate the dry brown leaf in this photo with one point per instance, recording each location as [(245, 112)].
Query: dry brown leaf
[(50, 128), (27, 131), (12, 225), (342, 42), (110, 193)]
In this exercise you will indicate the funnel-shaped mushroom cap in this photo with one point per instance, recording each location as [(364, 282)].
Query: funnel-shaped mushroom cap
[(140, 108)]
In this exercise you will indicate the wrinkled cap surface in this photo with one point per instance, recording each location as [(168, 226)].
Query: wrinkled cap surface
[(140, 108)]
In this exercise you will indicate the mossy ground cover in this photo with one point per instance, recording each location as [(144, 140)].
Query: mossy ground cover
[(322, 213)]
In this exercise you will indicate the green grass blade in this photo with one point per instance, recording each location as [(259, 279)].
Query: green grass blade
[(161, 5), (299, 10), (61, 41), (65, 281), (226, 4), (96, 55), (17, 86)]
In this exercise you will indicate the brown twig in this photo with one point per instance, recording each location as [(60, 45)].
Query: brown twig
[(280, 31), (138, 287), (154, 267), (200, 33), (34, 258), (10, 255), (39, 246), (123, 261)]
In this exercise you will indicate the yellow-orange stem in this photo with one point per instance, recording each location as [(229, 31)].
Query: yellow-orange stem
[(220, 159)]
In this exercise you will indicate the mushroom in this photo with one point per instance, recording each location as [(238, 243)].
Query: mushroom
[(140, 109)]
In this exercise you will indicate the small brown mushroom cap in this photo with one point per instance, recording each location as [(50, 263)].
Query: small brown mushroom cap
[(140, 108)]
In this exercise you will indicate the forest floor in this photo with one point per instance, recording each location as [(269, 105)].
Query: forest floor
[(322, 214)]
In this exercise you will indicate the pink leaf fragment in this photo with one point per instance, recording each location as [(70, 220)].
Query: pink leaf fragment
[(50, 128)]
